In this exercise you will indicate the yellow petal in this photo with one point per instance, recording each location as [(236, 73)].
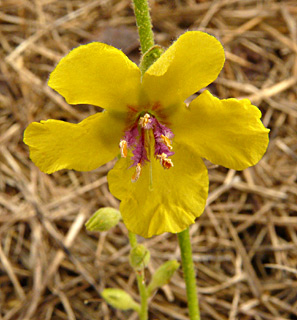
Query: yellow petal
[(191, 63), (176, 197), (97, 74), (56, 145), (226, 132)]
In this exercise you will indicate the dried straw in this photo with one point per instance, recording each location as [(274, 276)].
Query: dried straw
[(245, 244)]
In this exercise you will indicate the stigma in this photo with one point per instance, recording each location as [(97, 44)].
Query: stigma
[(147, 138)]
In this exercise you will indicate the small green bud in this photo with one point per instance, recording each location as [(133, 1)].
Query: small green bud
[(139, 257), (162, 275), (120, 299), (103, 219)]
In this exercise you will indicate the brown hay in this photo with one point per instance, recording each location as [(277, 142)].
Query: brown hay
[(245, 244)]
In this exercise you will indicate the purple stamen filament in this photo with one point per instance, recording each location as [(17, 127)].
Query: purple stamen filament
[(138, 139)]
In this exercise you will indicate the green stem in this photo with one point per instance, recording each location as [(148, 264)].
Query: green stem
[(189, 273), (144, 24), (132, 239), (144, 296), (143, 315), (150, 51)]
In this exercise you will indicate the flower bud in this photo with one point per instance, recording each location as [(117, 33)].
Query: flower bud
[(103, 219), (162, 275), (120, 299), (139, 257)]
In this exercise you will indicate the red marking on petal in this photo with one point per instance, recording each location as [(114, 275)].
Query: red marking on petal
[(156, 106), (132, 109)]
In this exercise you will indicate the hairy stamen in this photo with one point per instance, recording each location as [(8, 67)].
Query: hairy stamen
[(147, 133)]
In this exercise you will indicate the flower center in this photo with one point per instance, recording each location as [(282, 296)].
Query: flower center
[(146, 137)]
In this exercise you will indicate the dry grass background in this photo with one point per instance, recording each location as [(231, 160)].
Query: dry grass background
[(245, 244)]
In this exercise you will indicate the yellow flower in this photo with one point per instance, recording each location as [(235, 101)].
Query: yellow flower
[(161, 179)]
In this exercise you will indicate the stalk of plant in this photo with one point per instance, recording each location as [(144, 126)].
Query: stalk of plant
[(146, 37), (160, 177), (189, 273)]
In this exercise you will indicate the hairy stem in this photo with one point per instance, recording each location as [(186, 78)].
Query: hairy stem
[(144, 24), (150, 51)]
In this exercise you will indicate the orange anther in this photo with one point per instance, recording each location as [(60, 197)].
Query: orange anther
[(145, 120), (137, 173), (124, 148), (167, 142), (165, 162)]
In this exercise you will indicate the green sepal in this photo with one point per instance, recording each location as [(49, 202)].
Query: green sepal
[(103, 219), (120, 299), (150, 57), (162, 275)]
